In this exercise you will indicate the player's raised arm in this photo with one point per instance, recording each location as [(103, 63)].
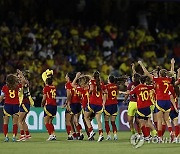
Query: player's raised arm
[(178, 77), (75, 79), (133, 69), (145, 70), (172, 66)]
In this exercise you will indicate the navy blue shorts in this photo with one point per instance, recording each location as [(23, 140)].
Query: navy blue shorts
[(94, 108), (144, 113), (10, 109), (24, 108), (50, 110), (75, 108), (173, 114), (163, 105), (111, 110)]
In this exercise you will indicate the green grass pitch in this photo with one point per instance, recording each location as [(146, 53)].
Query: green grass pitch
[(38, 145)]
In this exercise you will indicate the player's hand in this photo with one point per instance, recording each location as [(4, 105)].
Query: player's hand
[(133, 65), (172, 61), (176, 110), (78, 74), (140, 62)]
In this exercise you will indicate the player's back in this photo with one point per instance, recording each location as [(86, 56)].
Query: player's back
[(112, 91), (75, 95), (96, 96), (11, 96), (143, 95), (162, 88), (50, 92)]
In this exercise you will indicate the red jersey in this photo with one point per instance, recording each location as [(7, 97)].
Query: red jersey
[(172, 90), (162, 88), (143, 95), (75, 95), (96, 96), (84, 96), (112, 94), (50, 92), (11, 96), (130, 87)]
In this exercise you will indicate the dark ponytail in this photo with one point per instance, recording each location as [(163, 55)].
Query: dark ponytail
[(143, 79), (112, 79), (137, 77), (96, 76)]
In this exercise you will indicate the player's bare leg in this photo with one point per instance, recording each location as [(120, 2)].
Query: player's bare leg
[(73, 128), (138, 125), (21, 122), (131, 124), (98, 119), (151, 126), (88, 122), (155, 120)]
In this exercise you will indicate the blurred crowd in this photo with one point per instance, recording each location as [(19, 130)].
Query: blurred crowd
[(66, 46)]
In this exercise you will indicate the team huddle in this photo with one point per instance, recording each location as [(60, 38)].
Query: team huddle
[(153, 95)]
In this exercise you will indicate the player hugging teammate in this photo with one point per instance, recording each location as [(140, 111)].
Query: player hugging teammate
[(16, 104), (151, 94)]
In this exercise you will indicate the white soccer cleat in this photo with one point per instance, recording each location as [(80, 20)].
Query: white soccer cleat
[(54, 137), (133, 138), (51, 137), (175, 140), (115, 137), (108, 137), (101, 138)]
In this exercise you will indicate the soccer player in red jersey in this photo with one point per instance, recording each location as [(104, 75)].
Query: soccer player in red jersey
[(163, 105), (95, 105), (73, 109), (10, 92), (50, 106), (83, 88), (142, 91), (24, 108), (110, 107)]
